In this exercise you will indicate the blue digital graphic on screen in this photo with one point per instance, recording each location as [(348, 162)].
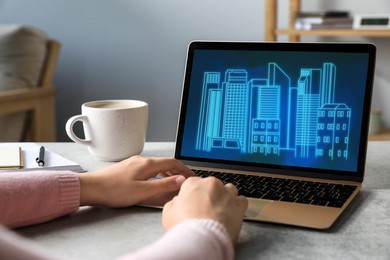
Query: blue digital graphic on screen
[(283, 108)]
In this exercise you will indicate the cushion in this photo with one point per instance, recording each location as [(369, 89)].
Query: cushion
[(22, 52)]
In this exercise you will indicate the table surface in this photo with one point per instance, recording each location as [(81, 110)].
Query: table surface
[(362, 231)]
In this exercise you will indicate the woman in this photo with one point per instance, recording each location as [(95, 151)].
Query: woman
[(203, 221)]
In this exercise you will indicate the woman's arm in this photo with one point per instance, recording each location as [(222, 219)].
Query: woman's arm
[(37, 196), (190, 240), (203, 220), (34, 197)]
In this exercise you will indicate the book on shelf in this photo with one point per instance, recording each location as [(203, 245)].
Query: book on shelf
[(324, 23), (328, 13), (323, 20), (25, 160)]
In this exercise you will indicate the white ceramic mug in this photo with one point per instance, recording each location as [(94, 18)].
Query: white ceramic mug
[(113, 129)]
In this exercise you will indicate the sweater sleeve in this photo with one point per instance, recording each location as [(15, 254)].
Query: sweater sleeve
[(190, 240), (37, 196)]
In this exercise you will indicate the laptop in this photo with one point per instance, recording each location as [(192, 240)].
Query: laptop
[(287, 123)]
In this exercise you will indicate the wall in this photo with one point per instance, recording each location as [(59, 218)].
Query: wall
[(135, 49)]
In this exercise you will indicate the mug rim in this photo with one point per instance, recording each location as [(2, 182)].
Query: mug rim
[(134, 104)]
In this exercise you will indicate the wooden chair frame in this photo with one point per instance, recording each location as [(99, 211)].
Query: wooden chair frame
[(38, 101)]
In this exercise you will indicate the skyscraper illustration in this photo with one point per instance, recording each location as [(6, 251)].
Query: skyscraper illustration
[(308, 105), (272, 116), (265, 124), (328, 83), (278, 78), (210, 111), (235, 116)]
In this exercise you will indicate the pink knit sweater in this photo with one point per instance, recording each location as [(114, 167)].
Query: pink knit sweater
[(36, 197)]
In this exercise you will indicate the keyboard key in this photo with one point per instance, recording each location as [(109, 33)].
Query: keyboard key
[(304, 201), (288, 199)]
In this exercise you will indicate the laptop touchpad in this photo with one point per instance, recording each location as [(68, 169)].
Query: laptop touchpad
[(255, 207)]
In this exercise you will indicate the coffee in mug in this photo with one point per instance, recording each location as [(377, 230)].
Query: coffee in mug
[(113, 129)]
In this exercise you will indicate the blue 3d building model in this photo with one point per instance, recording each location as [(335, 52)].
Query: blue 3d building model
[(273, 116)]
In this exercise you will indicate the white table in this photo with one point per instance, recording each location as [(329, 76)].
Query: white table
[(362, 232)]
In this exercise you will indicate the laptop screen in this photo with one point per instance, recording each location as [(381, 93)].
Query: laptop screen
[(277, 105)]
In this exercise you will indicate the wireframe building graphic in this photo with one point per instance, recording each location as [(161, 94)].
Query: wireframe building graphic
[(210, 111), (272, 116), (236, 110)]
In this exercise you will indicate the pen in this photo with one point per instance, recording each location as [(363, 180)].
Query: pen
[(41, 158)]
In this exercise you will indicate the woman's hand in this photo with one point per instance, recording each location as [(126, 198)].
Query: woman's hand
[(126, 183), (207, 198)]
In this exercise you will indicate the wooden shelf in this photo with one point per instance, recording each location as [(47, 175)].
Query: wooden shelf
[(272, 30), (338, 32), (384, 135)]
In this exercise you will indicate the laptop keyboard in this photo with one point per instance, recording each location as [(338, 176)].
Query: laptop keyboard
[(288, 190)]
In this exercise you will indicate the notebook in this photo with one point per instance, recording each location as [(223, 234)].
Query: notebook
[(29, 153), (285, 122), (10, 158)]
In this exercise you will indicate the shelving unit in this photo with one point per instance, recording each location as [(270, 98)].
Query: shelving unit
[(272, 31)]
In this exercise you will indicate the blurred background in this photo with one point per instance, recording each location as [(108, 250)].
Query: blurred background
[(136, 49)]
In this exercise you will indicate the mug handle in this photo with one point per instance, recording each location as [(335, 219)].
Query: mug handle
[(69, 128)]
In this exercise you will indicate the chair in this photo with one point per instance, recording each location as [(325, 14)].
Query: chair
[(38, 102)]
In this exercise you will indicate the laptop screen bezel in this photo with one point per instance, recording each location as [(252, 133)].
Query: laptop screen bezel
[(358, 175)]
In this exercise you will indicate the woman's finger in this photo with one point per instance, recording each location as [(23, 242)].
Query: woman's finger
[(243, 201), (232, 189), (154, 166)]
